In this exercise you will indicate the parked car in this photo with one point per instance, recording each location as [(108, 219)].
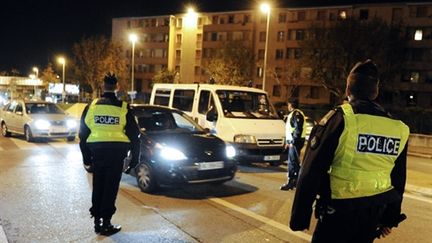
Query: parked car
[(175, 150), (37, 119)]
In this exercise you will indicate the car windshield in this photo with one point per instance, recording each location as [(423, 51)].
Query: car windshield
[(155, 120), (242, 104), (43, 108)]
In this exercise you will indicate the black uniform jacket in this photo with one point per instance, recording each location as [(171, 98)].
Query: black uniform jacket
[(131, 131), (296, 122), (314, 180)]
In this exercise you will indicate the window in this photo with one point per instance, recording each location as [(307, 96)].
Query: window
[(297, 53), (421, 12), (276, 90), (198, 54), (197, 70), (215, 19), (231, 19), (299, 35), (282, 17), (314, 92), (279, 54), (280, 36), (364, 14), (262, 36), (418, 35), (199, 37), (321, 15), (204, 101), (396, 15), (179, 38), (221, 20), (332, 16), (162, 97), (200, 21), (261, 53), (246, 18), (301, 15), (179, 22), (19, 108), (178, 54), (411, 99), (183, 99), (214, 36)]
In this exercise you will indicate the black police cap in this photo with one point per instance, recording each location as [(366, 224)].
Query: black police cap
[(110, 79)]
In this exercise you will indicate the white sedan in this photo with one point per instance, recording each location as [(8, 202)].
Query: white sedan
[(37, 119)]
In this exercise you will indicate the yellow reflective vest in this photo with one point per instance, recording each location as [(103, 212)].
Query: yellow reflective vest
[(106, 123), (289, 129), (368, 148)]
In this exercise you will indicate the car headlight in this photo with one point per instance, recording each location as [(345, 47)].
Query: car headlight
[(71, 124), (170, 153), (230, 151), (244, 139), (42, 124)]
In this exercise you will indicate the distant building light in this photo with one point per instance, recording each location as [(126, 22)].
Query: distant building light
[(342, 14), (418, 36), (411, 97)]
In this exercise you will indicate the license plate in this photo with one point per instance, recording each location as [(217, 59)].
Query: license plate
[(271, 157), (58, 129), (210, 165)]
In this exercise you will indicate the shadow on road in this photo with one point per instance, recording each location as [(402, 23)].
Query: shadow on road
[(260, 168)]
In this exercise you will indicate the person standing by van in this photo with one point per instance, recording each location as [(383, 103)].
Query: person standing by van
[(295, 128)]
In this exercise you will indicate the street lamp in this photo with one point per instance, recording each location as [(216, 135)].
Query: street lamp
[(62, 61), (133, 38), (265, 8), (36, 71)]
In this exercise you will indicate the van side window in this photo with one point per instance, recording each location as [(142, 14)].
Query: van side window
[(162, 97), (204, 101), (183, 99)]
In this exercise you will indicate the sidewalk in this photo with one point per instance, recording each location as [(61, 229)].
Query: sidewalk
[(418, 182)]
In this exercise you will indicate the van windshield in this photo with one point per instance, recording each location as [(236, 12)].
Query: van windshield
[(242, 104)]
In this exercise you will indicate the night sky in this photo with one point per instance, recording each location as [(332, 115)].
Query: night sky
[(34, 32)]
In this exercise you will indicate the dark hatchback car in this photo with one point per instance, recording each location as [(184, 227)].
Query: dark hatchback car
[(175, 150)]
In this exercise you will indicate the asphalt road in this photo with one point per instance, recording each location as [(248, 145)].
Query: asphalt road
[(45, 195)]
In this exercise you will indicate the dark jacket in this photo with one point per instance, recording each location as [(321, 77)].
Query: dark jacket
[(314, 179), (131, 131), (296, 122)]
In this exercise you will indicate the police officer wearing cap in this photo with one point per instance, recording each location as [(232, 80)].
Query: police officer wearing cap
[(295, 131), (107, 131), (354, 167)]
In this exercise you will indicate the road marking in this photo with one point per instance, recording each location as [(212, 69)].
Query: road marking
[(418, 198), (3, 238), (262, 219)]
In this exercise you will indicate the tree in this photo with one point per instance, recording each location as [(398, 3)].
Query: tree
[(331, 52), (165, 76), (48, 75), (231, 64), (94, 57)]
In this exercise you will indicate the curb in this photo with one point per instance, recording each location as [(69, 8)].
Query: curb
[(427, 156), (423, 191)]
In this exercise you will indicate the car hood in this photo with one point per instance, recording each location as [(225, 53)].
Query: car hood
[(197, 147), (50, 117)]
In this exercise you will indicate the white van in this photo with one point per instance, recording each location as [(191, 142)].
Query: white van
[(241, 116)]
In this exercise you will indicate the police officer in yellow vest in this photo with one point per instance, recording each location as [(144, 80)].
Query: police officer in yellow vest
[(295, 138), (107, 131), (354, 167)]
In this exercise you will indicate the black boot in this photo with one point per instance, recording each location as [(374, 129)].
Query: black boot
[(108, 228), (290, 185), (97, 224)]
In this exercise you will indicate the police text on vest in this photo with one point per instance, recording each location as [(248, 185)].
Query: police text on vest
[(378, 144), (107, 120)]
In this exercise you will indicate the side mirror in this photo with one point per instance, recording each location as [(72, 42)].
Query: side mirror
[(19, 113), (212, 114)]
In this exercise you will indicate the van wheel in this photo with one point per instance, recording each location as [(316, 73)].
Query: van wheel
[(145, 178), (5, 131), (28, 134)]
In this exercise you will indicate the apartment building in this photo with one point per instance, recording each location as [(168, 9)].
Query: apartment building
[(184, 42)]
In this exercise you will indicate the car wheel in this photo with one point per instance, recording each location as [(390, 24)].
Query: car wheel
[(5, 131), (28, 134), (70, 139), (145, 178), (275, 163)]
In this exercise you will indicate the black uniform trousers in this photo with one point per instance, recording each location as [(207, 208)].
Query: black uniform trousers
[(348, 226), (294, 158), (108, 169)]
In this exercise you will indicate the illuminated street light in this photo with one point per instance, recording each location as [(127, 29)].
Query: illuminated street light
[(133, 38), (265, 8), (62, 61)]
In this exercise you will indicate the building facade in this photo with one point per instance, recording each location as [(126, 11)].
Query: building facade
[(184, 42)]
